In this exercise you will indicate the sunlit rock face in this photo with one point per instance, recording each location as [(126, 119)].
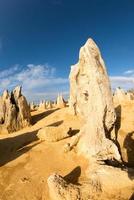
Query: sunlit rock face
[(91, 96), (14, 111)]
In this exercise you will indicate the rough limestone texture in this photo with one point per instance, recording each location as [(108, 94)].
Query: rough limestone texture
[(91, 96), (53, 133), (59, 189), (14, 111), (60, 101), (102, 184)]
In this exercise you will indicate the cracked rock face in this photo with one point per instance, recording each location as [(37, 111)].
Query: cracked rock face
[(14, 111), (91, 96)]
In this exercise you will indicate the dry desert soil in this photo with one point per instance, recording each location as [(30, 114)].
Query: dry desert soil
[(26, 162)]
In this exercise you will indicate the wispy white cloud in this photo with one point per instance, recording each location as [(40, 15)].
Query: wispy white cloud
[(122, 81), (40, 81), (126, 80), (8, 72), (35, 80), (129, 72)]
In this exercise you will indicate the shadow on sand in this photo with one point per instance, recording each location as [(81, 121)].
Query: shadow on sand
[(73, 176), (11, 148), (58, 123), (40, 116)]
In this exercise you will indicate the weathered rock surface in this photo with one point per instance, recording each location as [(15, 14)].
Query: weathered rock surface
[(100, 184), (14, 111), (59, 189), (60, 102), (91, 96), (53, 133)]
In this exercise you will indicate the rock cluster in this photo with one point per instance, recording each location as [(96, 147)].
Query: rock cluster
[(14, 111), (44, 105), (59, 103), (91, 96), (121, 97)]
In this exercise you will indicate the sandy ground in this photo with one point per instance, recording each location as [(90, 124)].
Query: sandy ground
[(26, 163)]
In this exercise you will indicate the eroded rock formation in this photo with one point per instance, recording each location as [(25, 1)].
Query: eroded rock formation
[(14, 111), (49, 104), (32, 106), (54, 133), (91, 96), (102, 183), (42, 106), (121, 97), (60, 101)]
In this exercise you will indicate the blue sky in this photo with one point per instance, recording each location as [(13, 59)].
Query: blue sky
[(40, 39)]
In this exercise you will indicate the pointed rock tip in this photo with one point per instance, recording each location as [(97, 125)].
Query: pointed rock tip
[(90, 42), (90, 47), (5, 94)]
